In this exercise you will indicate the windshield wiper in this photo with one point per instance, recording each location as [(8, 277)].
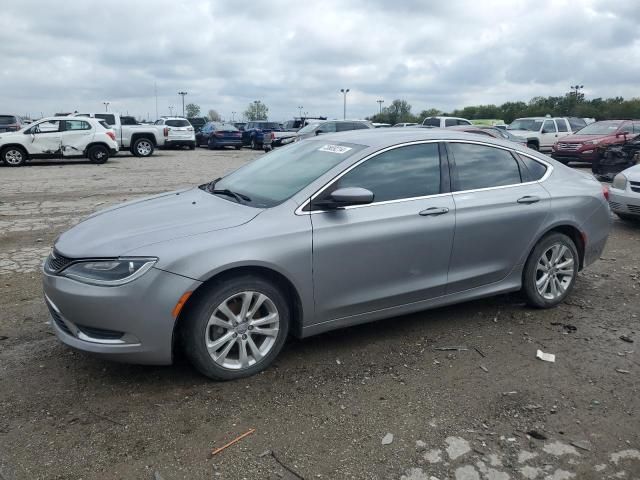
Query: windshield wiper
[(239, 197)]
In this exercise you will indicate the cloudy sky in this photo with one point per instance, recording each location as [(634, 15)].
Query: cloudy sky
[(73, 55)]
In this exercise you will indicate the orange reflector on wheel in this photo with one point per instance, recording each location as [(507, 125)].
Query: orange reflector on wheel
[(178, 308)]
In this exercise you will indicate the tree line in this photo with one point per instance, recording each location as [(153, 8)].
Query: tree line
[(569, 105)]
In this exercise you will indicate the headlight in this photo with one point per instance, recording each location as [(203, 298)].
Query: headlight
[(109, 273), (619, 182), (592, 142)]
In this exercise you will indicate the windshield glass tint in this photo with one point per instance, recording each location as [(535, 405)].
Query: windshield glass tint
[(273, 178), (177, 123), (525, 124), (600, 128)]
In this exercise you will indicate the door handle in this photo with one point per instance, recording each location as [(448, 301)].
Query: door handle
[(434, 211), (529, 199)]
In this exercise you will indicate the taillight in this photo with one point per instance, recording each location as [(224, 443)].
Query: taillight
[(166, 131), (190, 129), (219, 134), (112, 135), (605, 192)]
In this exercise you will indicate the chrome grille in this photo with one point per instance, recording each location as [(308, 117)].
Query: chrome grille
[(635, 186), (615, 205), (572, 147), (57, 262)]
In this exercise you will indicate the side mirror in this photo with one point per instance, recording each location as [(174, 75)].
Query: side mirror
[(622, 133), (318, 132), (344, 197), (544, 131)]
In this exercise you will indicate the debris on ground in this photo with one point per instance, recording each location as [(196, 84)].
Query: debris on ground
[(484, 368), (451, 349), (3, 337), (157, 476), (546, 357), (582, 445), (504, 394), (235, 440), (537, 435), (621, 370), (387, 439), (567, 326), (479, 351), (626, 338)]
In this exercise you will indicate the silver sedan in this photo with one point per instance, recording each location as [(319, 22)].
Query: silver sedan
[(328, 232), (625, 194)]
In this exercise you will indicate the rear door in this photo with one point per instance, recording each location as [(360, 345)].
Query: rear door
[(75, 136), (394, 251), (499, 210), (45, 139)]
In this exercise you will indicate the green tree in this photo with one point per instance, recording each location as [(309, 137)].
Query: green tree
[(192, 110), (256, 111), (429, 112)]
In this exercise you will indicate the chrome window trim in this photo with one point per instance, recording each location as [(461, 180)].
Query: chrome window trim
[(299, 210)]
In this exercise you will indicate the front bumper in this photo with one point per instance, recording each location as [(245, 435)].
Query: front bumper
[(624, 201), (575, 156), (131, 323)]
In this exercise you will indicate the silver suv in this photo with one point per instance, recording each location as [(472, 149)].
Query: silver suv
[(317, 127)]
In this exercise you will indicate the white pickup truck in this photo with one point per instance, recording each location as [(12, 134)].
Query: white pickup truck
[(140, 140)]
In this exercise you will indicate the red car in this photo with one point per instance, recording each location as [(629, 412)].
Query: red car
[(583, 145)]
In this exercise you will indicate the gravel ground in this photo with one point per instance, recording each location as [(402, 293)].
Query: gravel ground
[(378, 401)]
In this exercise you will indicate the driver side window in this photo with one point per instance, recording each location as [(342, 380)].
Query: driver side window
[(327, 127), (548, 126), (46, 127)]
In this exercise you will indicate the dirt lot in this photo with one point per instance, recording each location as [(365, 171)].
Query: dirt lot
[(324, 408)]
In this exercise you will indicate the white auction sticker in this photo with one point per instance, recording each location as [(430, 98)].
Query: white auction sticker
[(334, 149)]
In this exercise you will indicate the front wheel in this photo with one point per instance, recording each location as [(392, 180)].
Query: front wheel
[(551, 271), (14, 156), (142, 147), (533, 146), (236, 328)]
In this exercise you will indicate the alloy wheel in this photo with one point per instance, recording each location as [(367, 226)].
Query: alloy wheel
[(13, 157), (555, 271), (144, 148), (242, 330)]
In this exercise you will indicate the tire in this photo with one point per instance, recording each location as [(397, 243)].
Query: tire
[(533, 146), (212, 146), (198, 329), (627, 218), (98, 154), (14, 156), (192, 146), (254, 145), (535, 271), (239, 147), (142, 147)]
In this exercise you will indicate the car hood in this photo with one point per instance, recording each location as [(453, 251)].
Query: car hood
[(584, 138), (7, 136), (117, 230), (523, 133), (632, 173)]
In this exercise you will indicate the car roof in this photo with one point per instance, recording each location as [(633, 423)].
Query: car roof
[(67, 117), (393, 136)]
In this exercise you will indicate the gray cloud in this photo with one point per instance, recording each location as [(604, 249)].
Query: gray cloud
[(73, 55)]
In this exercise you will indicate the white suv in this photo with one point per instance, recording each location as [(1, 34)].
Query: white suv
[(181, 132), (444, 122), (59, 137), (541, 132)]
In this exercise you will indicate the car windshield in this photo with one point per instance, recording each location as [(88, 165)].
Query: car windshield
[(600, 128), (309, 128), (177, 123), (525, 124), (7, 119), (275, 177)]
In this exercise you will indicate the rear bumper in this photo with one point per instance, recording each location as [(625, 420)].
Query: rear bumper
[(226, 142), (180, 143)]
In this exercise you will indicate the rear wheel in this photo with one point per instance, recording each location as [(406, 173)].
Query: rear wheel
[(142, 147), (237, 328), (551, 271), (14, 156), (254, 145), (98, 154), (238, 147)]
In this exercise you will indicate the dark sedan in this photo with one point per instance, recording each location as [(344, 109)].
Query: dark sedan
[(218, 135)]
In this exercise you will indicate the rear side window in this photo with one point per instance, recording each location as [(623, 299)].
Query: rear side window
[(432, 122), (536, 169), (344, 126), (562, 126), (360, 126), (328, 127), (177, 123), (405, 172), (110, 119), (7, 120), (104, 124), (77, 125), (450, 122), (463, 122), (479, 166), (577, 123)]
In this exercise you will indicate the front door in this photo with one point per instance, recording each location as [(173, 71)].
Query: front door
[(45, 139), (389, 253), (548, 135), (497, 214)]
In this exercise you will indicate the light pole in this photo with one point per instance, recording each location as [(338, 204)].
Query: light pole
[(577, 89), (300, 107), (233, 117), (380, 102), (106, 106), (344, 104), (171, 110), (182, 94)]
